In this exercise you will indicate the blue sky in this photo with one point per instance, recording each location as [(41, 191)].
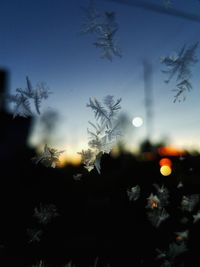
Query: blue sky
[(42, 39)]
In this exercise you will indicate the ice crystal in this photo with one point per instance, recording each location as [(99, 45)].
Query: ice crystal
[(69, 264), (161, 254), (22, 105), (104, 27), (22, 99), (163, 195), (168, 257), (104, 133), (157, 216), (34, 235), (153, 202), (92, 18), (196, 217), (182, 236), (189, 202), (180, 65), (40, 264), (134, 193), (88, 158), (45, 213), (49, 158), (176, 250), (180, 185), (77, 177)]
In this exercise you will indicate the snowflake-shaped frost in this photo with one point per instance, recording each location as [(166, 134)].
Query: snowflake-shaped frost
[(180, 65), (134, 193), (23, 97), (45, 213), (49, 158)]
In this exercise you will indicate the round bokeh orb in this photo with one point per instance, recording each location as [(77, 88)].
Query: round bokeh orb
[(137, 122)]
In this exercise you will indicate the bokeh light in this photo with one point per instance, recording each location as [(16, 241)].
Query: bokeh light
[(165, 170), (137, 122), (165, 162)]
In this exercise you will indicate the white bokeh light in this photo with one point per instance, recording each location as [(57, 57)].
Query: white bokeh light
[(137, 122)]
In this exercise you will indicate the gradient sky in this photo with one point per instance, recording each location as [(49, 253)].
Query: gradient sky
[(42, 39)]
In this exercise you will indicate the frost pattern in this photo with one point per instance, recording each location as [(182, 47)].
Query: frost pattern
[(34, 235), (180, 185), (49, 158), (157, 216), (22, 99), (104, 133), (180, 65), (69, 264), (153, 202), (163, 195), (156, 213), (77, 177), (104, 27), (96, 263), (188, 203), (45, 213), (182, 236), (196, 217), (134, 193), (168, 257), (40, 264)]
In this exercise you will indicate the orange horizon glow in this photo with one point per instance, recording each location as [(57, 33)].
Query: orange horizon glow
[(171, 151), (65, 160)]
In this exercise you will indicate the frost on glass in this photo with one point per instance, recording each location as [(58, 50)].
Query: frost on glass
[(153, 202), (156, 213), (188, 203), (45, 213), (182, 236), (179, 65), (34, 235), (196, 217), (77, 177), (163, 195), (96, 263), (134, 193), (49, 157), (69, 264), (104, 27), (40, 264), (167, 258), (157, 216), (24, 97), (103, 134)]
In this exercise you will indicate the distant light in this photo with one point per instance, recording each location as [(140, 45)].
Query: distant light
[(165, 162), (170, 151), (137, 122), (165, 170)]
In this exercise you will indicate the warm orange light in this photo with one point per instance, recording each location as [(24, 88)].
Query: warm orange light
[(165, 162), (170, 151), (154, 204), (71, 159), (165, 170), (179, 238)]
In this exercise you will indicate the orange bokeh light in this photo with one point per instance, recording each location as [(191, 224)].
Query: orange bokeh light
[(165, 162)]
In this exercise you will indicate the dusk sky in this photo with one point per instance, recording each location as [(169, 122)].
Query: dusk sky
[(43, 40)]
